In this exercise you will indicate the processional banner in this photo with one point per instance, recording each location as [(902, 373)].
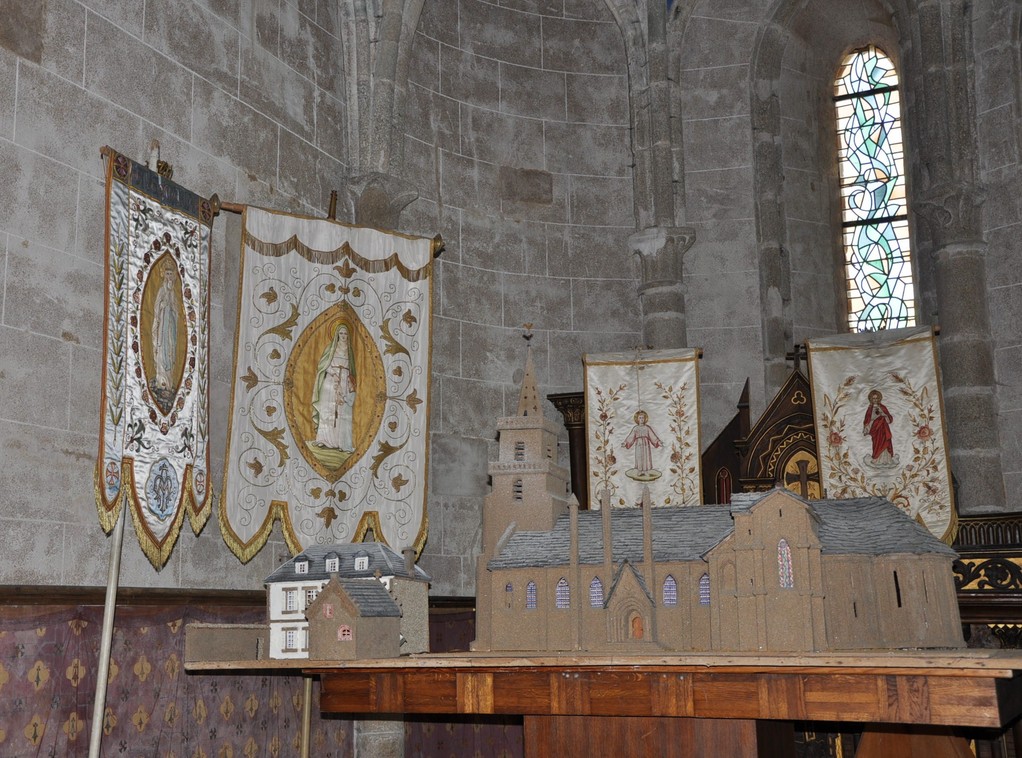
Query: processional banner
[(880, 422), (153, 441), (330, 395), (642, 427)]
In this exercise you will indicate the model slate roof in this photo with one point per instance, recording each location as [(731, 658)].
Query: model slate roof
[(371, 598), (381, 558), (679, 534), (870, 526)]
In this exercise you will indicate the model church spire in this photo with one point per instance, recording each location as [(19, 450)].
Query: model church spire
[(528, 398)]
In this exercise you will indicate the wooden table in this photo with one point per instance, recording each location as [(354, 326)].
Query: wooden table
[(695, 706)]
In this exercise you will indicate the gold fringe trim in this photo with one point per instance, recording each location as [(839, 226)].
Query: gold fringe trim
[(108, 512), (156, 551), (328, 257)]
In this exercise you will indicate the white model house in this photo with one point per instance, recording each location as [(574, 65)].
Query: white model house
[(293, 587)]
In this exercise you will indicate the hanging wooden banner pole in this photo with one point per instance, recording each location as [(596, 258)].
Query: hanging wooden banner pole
[(103, 669)]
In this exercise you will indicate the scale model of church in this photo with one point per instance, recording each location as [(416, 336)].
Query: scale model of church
[(348, 601), (770, 572)]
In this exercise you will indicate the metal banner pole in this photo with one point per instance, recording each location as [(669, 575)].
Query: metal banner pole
[(103, 671)]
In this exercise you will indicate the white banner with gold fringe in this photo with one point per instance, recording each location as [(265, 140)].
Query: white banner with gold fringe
[(330, 395), (153, 444), (880, 422), (642, 427)]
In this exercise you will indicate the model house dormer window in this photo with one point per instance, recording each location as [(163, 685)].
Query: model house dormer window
[(361, 562), (302, 567), (333, 564)]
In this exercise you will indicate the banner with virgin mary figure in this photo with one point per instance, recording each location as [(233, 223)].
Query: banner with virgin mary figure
[(880, 422), (153, 440), (330, 395), (642, 427)]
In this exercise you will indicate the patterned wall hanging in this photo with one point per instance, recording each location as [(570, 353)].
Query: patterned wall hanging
[(642, 426), (329, 406), (880, 422), (153, 451)]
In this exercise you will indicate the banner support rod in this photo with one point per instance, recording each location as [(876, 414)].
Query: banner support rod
[(103, 670)]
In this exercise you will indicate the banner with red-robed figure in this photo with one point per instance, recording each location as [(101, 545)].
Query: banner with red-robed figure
[(880, 422)]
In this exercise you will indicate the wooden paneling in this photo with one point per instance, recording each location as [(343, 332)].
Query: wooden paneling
[(956, 697)]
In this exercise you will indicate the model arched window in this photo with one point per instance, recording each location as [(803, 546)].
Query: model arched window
[(530, 595), (875, 239), (562, 596), (670, 591), (704, 589), (596, 593), (785, 577), (723, 486), (344, 633)]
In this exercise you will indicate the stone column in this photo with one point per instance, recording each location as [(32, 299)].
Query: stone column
[(659, 252), (379, 738), (966, 347), (572, 407)]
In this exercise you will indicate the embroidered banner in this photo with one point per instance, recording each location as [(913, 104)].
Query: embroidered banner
[(642, 426), (329, 406), (880, 422), (153, 441)]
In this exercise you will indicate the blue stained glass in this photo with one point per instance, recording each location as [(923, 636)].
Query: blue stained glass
[(881, 294)]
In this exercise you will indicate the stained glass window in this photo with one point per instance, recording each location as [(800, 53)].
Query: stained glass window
[(785, 577), (704, 589), (596, 593), (530, 595), (670, 591), (878, 263), (562, 596)]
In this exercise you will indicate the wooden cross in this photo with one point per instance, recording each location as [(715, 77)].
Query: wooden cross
[(797, 354), (803, 478)]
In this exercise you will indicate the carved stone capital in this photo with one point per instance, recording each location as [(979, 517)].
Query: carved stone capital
[(952, 215), (376, 199), (659, 251)]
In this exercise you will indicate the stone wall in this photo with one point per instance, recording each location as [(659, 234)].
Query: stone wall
[(245, 99), (517, 138)]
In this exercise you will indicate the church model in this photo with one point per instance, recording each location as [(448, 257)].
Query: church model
[(348, 601), (770, 572)]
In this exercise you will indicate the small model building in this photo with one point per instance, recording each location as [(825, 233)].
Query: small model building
[(377, 604), (352, 619), (769, 572)]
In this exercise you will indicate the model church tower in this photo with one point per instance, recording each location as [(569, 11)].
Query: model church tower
[(529, 490)]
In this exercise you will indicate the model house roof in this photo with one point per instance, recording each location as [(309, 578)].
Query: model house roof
[(376, 557), (870, 526), (371, 598)]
